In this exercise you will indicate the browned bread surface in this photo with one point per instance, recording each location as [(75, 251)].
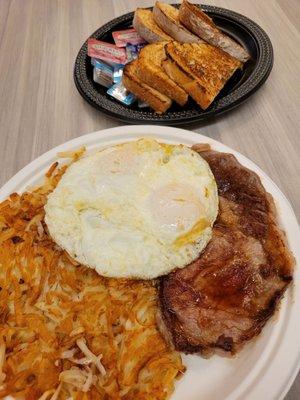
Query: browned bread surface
[(156, 100), (207, 67), (144, 24), (151, 72), (167, 17), (202, 25), (188, 83)]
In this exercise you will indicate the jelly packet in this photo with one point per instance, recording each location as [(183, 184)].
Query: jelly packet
[(132, 51), (106, 51), (127, 36), (119, 92)]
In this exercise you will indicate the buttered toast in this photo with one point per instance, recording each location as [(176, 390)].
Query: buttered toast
[(167, 18), (200, 69), (144, 24), (193, 18), (156, 100), (150, 71)]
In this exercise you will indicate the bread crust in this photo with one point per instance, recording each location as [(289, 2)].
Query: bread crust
[(150, 71), (188, 83), (167, 18), (208, 68), (202, 25), (156, 100), (147, 28)]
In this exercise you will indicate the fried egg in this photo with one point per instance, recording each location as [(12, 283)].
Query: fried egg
[(135, 210)]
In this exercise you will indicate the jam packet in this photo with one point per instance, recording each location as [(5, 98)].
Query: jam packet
[(103, 73), (132, 51), (119, 92), (106, 51), (127, 36)]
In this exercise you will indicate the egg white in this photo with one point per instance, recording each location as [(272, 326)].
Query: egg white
[(135, 210)]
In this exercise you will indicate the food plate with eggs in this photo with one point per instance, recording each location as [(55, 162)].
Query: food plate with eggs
[(145, 185), (160, 197)]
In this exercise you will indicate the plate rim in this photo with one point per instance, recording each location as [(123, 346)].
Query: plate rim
[(233, 99), (284, 376)]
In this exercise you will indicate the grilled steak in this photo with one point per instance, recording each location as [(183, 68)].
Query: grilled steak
[(226, 296)]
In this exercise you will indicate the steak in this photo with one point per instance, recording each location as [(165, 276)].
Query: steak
[(225, 297)]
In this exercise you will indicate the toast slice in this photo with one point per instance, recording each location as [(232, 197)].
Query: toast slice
[(202, 25), (177, 74), (156, 100), (150, 71), (144, 24), (200, 69), (167, 18)]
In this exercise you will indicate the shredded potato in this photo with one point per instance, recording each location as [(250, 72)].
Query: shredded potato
[(66, 332)]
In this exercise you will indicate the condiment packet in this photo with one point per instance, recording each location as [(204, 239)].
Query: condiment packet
[(103, 73), (111, 64), (142, 104), (118, 73), (119, 92), (132, 51), (106, 51), (127, 36)]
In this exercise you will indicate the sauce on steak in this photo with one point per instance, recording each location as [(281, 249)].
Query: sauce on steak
[(226, 296)]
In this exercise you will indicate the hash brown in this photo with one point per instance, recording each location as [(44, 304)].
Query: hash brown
[(64, 330)]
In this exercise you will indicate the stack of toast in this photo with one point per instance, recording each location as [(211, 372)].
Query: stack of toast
[(187, 56)]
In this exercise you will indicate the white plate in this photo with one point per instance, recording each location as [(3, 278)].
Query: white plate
[(266, 368)]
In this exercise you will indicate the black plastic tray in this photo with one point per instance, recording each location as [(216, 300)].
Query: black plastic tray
[(242, 84)]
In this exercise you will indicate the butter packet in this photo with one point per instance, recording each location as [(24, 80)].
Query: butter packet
[(103, 73), (119, 92), (118, 73)]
